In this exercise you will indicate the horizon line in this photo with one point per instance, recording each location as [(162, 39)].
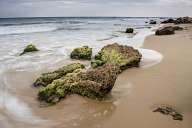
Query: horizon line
[(91, 17)]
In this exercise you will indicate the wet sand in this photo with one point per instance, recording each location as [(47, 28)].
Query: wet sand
[(168, 83), (136, 93)]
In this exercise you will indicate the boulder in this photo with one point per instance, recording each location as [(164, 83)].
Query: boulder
[(84, 53), (121, 55), (165, 31), (47, 78), (93, 83), (129, 30), (153, 22), (29, 48)]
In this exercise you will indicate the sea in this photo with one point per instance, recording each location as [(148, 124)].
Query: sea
[(56, 37)]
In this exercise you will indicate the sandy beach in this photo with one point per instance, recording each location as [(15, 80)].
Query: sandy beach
[(137, 92), (167, 83)]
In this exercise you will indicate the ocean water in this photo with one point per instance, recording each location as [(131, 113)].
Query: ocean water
[(55, 38)]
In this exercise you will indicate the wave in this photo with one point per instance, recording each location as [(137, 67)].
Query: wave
[(24, 29)]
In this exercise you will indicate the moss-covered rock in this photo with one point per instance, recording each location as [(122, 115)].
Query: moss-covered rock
[(129, 30), (84, 53), (47, 78), (121, 55), (93, 83), (29, 48)]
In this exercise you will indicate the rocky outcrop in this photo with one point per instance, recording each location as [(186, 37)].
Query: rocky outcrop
[(47, 78), (29, 48), (121, 55), (84, 53), (168, 30), (166, 110), (181, 20), (93, 83), (168, 21), (129, 30)]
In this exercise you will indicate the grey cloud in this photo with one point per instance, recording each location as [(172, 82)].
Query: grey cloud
[(25, 8)]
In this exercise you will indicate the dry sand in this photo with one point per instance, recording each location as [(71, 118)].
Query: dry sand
[(169, 83)]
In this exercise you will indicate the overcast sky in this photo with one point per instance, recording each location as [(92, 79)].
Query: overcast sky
[(134, 8)]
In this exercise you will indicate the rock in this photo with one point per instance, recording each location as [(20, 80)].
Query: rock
[(177, 28), (169, 111), (153, 22), (181, 20), (47, 78), (29, 48), (84, 53), (93, 83), (129, 30), (121, 55), (168, 21), (165, 31), (168, 30)]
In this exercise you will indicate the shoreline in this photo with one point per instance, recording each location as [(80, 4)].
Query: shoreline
[(167, 83), (136, 93)]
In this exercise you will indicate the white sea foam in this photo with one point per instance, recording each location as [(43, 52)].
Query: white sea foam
[(5, 30)]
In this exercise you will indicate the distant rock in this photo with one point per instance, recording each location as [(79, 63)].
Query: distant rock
[(93, 83), (168, 21), (121, 55), (84, 53), (153, 22), (168, 30), (29, 48), (181, 20), (129, 30), (165, 31)]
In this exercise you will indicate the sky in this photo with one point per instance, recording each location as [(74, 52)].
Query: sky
[(119, 8)]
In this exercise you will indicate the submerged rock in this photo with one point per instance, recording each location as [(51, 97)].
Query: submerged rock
[(165, 31), (169, 111), (84, 53), (121, 55), (153, 22), (129, 30), (93, 83), (29, 48), (47, 78)]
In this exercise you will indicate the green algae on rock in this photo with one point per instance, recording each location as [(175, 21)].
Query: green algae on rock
[(47, 78), (29, 48), (93, 83), (84, 53), (121, 55), (129, 30)]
